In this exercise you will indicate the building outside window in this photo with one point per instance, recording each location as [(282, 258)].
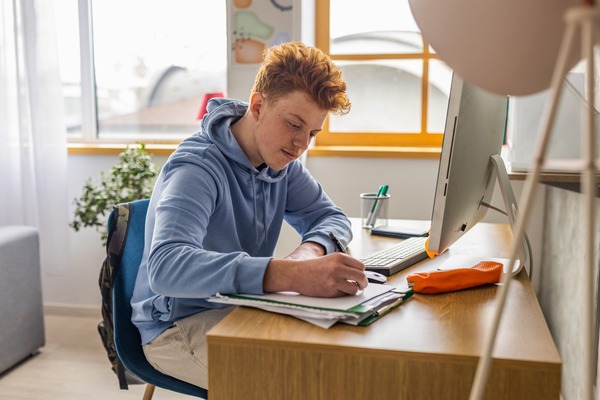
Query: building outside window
[(138, 69), (398, 88)]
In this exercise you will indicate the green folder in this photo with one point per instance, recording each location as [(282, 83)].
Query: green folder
[(362, 309)]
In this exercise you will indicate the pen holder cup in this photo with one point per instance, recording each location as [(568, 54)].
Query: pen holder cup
[(374, 209)]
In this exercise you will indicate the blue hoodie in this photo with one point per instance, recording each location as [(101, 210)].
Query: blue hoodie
[(214, 220)]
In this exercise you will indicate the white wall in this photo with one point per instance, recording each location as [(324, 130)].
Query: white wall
[(412, 185), (78, 285)]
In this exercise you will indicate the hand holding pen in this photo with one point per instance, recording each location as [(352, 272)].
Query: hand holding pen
[(372, 276), (339, 246)]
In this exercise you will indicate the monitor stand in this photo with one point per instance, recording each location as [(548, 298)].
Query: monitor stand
[(510, 203)]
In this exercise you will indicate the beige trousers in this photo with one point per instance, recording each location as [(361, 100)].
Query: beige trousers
[(181, 350)]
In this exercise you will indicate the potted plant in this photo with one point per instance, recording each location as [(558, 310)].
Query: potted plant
[(132, 178)]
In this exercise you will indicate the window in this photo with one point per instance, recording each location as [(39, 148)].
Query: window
[(398, 88), (138, 69)]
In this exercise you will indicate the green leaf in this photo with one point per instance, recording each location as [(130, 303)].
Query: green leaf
[(132, 178)]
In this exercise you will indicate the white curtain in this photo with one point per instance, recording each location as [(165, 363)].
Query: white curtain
[(33, 152)]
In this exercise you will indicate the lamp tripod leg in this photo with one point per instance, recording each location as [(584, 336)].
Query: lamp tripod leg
[(589, 190), (483, 367)]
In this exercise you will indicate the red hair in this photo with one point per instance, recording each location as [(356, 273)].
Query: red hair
[(294, 66)]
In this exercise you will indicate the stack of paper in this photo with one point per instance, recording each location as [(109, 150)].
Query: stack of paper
[(362, 309)]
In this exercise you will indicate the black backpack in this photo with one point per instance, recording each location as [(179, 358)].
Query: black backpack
[(117, 234)]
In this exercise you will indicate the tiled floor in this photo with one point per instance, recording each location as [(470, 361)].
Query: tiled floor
[(71, 366)]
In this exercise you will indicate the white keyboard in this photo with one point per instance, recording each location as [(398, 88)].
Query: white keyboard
[(389, 261)]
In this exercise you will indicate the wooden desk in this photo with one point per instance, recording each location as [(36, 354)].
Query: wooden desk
[(428, 348)]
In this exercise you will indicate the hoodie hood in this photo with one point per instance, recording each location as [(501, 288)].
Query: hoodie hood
[(222, 113)]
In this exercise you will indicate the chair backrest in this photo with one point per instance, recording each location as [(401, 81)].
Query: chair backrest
[(127, 337)]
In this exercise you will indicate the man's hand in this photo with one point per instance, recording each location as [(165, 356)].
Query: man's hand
[(333, 275)]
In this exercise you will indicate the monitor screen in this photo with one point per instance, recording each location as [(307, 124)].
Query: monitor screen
[(475, 128)]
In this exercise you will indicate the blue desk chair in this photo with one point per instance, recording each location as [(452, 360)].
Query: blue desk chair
[(127, 337)]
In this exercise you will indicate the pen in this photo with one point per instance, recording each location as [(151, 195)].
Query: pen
[(389, 306), (385, 309), (372, 217), (338, 245)]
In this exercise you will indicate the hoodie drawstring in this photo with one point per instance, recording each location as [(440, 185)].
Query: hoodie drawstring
[(264, 216), (265, 202), (255, 208)]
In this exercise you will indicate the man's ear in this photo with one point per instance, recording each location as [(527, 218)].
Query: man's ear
[(257, 101)]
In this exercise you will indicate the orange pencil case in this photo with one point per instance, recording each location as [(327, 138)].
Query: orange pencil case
[(455, 279)]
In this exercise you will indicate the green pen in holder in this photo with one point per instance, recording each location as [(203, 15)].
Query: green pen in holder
[(374, 208)]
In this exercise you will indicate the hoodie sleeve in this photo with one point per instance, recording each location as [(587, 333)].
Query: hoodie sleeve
[(311, 212), (178, 264)]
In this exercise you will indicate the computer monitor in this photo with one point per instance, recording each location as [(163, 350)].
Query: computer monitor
[(470, 164)]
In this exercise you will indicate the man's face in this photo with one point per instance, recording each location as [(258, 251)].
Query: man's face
[(284, 128)]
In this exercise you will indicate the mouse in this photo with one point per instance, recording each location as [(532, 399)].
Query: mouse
[(375, 277)]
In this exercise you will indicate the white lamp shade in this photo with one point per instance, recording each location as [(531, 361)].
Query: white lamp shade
[(508, 47)]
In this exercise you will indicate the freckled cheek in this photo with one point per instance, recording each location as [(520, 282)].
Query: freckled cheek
[(273, 147)]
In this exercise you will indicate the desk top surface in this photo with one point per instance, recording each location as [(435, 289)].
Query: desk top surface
[(453, 324)]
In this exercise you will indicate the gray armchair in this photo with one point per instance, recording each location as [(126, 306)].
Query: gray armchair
[(21, 313)]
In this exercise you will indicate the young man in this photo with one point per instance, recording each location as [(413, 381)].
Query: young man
[(220, 200)]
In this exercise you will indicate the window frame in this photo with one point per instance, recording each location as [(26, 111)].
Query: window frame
[(89, 124), (426, 143), (363, 144), (88, 140)]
